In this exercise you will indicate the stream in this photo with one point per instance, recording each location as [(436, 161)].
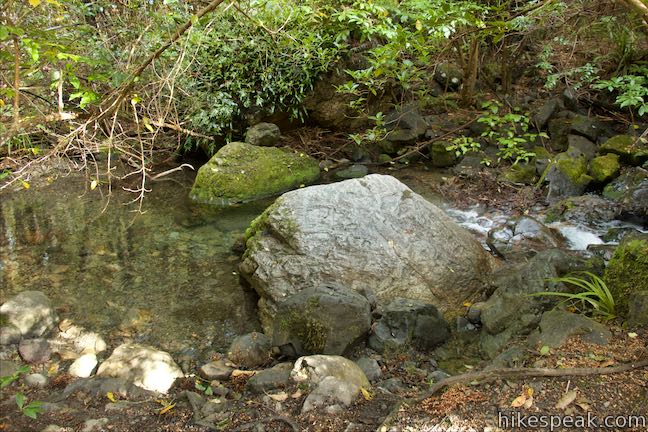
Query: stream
[(167, 277)]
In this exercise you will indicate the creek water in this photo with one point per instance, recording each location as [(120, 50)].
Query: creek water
[(166, 277)]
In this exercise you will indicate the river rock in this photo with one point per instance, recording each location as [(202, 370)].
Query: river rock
[(407, 118), (30, 312), (251, 350), (263, 134), (216, 370), (147, 367), (579, 146), (630, 192), (627, 272), (544, 113), (241, 172), (354, 171), (326, 319), (335, 379), (524, 234), (557, 326), (604, 168), (36, 380), (270, 379), (373, 235), (370, 367), (567, 177), (34, 350), (83, 366), (449, 76), (442, 158), (585, 209), (406, 322), (630, 149)]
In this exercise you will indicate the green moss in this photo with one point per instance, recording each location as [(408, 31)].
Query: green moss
[(574, 168), (605, 168), (241, 172), (630, 149), (311, 332), (555, 212), (440, 156), (627, 272), (520, 173)]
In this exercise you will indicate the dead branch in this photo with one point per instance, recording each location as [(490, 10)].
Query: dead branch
[(508, 373), (180, 129)]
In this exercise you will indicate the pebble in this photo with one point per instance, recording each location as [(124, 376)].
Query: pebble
[(34, 350), (36, 380), (83, 366), (94, 425)]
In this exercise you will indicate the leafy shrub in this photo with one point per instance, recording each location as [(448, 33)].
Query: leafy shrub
[(631, 89)]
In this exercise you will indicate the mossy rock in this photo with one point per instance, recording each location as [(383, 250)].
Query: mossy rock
[(241, 172), (627, 272), (441, 157), (631, 150), (520, 173), (605, 168), (574, 168)]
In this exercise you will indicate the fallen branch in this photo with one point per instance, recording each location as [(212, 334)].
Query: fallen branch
[(509, 373), (177, 128)]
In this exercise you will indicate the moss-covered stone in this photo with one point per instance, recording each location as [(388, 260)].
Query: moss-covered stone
[(241, 172), (627, 272), (440, 156), (631, 150), (574, 168), (604, 168), (520, 173)]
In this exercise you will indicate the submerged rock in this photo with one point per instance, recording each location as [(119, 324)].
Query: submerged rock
[(30, 313), (146, 366), (407, 322), (372, 235), (241, 172), (263, 134)]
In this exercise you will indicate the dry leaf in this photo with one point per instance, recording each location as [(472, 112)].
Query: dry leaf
[(606, 363), (519, 401), (296, 395), (366, 393), (239, 372), (566, 399), (167, 408), (279, 397), (529, 402), (111, 397)]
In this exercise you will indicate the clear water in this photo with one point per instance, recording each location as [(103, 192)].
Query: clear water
[(167, 277)]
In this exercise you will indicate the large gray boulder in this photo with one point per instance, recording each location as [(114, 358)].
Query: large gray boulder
[(373, 235)]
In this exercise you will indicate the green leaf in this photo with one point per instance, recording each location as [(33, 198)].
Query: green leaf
[(4, 33), (20, 400), (544, 350)]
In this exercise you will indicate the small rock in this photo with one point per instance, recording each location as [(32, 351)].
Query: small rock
[(149, 368), (313, 369), (263, 134), (95, 425), (544, 113), (438, 375), (270, 379), (474, 313), (56, 428), (34, 350), (31, 312), (370, 367), (83, 366), (393, 385), (36, 380), (354, 171), (331, 391), (251, 350), (216, 370)]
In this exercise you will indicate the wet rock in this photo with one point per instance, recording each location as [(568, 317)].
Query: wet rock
[(274, 378), (585, 209), (241, 172), (83, 366), (36, 380), (631, 150), (407, 322), (557, 326), (327, 319), (449, 76), (370, 367), (522, 235), (147, 367), (441, 157), (541, 117), (474, 312), (630, 192), (567, 177), (471, 165), (627, 272), (407, 118), (216, 370), (604, 168), (34, 351), (354, 171), (263, 134), (364, 234), (396, 140), (95, 425), (30, 312), (638, 309), (336, 380), (542, 160), (250, 350), (578, 146)]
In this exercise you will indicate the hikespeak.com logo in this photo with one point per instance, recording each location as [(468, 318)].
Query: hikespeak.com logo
[(518, 420)]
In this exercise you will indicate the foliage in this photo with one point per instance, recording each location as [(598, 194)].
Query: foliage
[(593, 295), (463, 145), (9, 379), (631, 89), (31, 409)]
